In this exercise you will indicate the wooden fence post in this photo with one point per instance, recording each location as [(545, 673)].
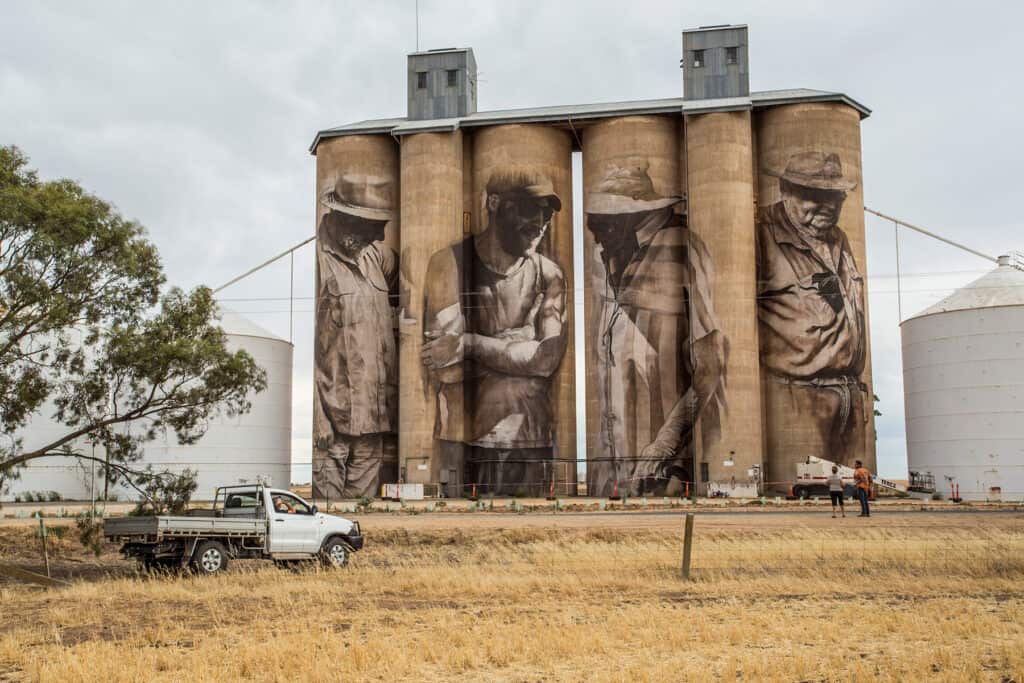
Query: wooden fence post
[(687, 545), (42, 539)]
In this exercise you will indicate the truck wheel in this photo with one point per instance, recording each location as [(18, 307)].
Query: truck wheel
[(849, 492), (335, 552), (801, 492), (210, 557)]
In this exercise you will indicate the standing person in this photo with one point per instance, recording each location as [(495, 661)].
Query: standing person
[(835, 491), (495, 334), (661, 355), (863, 479), (356, 365)]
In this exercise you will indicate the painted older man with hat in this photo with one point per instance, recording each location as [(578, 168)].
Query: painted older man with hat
[(661, 355), (495, 334), (356, 374), (811, 314)]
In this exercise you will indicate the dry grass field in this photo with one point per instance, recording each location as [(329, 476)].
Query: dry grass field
[(787, 597)]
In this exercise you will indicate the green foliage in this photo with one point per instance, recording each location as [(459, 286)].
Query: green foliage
[(90, 533), (83, 324), (166, 493)]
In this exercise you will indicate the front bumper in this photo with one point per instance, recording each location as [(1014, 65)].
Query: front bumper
[(355, 540)]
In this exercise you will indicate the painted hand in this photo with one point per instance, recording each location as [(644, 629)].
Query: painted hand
[(442, 350), (711, 354), (652, 459), (657, 450)]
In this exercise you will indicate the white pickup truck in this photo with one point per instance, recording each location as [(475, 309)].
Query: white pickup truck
[(246, 522)]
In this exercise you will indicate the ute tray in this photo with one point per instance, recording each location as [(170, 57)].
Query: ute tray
[(175, 527)]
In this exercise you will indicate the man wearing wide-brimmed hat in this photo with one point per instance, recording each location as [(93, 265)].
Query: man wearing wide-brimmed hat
[(811, 314), (661, 355), (494, 323), (356, 378)]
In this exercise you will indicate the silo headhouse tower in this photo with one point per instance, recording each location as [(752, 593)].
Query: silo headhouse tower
[(724, 285)]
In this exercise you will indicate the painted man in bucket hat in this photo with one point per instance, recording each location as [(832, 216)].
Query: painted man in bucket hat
[(661, 355), (356, 378), (811, 314), (496, 332)]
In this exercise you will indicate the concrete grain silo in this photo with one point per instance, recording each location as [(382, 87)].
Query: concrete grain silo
[(355, 416), (541, 154), (963, 379), (721, 190), (724, 282), (823, 361), (432, 216), (646, 147)]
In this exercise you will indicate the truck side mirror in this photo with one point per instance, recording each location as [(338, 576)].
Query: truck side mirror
[(315, 509)]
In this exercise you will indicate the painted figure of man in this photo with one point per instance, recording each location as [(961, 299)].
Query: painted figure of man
[(356, 374), (811, 315), (495, 330), (661, 355)]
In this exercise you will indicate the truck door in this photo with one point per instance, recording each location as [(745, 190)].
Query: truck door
[(293, 526)]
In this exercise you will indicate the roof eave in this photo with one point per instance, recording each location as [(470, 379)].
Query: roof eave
[(398, 127)]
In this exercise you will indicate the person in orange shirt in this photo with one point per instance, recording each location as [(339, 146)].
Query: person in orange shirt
[(863, 479)]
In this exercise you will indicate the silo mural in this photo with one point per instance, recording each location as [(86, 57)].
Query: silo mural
[(725, 313), (355, 407), (495, 334), (657, 327), (811, 310)]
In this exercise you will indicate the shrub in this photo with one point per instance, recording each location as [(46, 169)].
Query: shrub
[(90, 534)]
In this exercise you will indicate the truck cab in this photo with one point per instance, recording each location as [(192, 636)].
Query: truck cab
[(295, 526)]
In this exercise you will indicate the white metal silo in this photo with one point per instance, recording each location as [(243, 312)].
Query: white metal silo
[(963, 378), (249, 448)]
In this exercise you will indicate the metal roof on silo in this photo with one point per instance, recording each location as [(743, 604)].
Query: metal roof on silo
[(235, 324), (1003, 286)]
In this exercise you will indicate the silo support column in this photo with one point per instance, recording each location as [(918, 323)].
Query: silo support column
[(431, 405), (720, 191)]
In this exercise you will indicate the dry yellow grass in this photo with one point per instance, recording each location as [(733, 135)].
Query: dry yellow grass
[(780, 601)]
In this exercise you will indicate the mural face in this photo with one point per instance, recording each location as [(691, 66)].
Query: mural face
[(811, 313), (356, 365), (494, 334), (660, 352)]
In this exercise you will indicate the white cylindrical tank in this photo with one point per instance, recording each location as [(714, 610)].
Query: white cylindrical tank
[(249, 448), (963, 379)]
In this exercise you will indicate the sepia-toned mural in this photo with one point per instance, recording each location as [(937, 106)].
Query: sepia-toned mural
[(660, 352), (495, 333), (356, 366), (811, 314)]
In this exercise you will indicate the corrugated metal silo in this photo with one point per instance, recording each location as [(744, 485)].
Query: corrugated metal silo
[(963, 377), (254, 446)]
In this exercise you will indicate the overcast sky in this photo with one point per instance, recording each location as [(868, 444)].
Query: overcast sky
[(195, 119)]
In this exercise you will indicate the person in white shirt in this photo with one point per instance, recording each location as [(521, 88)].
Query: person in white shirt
[(835, 491)]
